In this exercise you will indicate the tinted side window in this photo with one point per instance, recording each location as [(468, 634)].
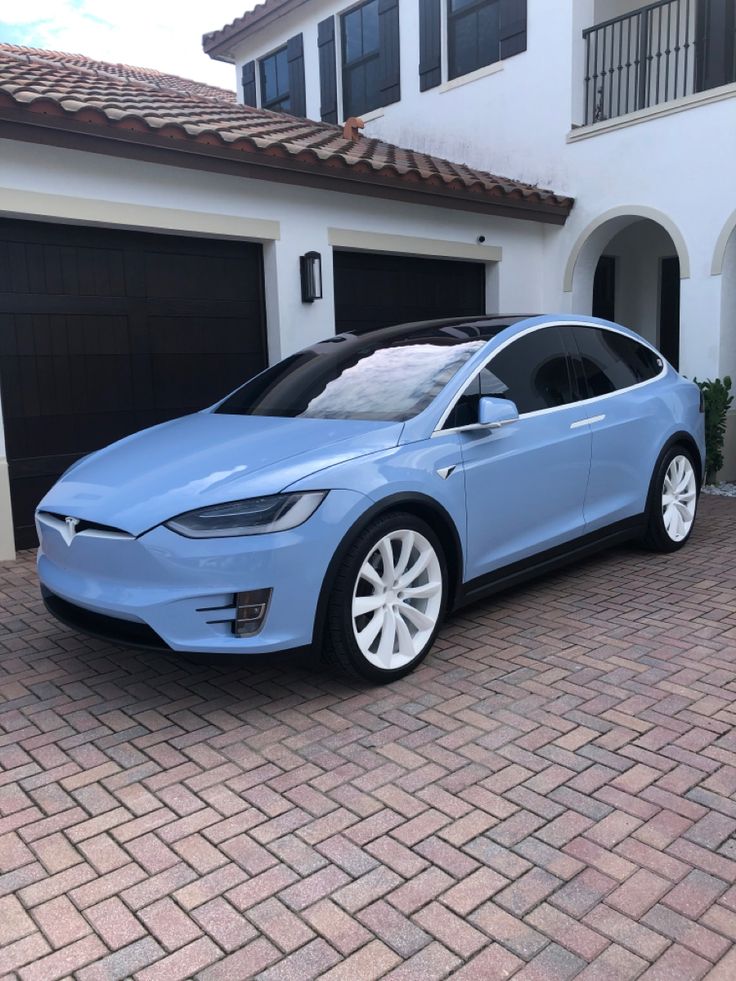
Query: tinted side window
[(532, 371), (608, 361)]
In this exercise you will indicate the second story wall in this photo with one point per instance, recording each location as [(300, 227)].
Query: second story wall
[(510, 116)]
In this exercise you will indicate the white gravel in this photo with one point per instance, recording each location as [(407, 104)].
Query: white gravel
[(720, 490)]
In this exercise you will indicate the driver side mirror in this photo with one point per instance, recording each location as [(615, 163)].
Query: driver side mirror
[(494, 412)]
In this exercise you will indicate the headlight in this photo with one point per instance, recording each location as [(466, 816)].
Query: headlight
[(256, 516)]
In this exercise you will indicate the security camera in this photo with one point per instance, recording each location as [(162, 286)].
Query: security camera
[(481, 239)]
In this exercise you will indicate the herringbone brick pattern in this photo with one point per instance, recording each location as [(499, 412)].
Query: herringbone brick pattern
[(552, 794)]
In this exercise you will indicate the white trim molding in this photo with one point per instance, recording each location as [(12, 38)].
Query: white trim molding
[(88, 211), (455, 83), (635, 212), (7, 534), (653, 112), (359, 241), (719, 255)]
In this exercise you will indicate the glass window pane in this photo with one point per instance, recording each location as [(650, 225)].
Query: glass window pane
[(275, 81), (282, 71), (473, 35), (372, 83), (463, 45), (532, 372), (609, 361), (269, 83), (352, 36), (487, 21), (370, 27)]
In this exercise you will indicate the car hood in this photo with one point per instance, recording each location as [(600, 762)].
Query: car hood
[(206, 459)]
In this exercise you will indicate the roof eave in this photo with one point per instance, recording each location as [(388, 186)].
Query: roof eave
[(113, 141), (222, 42)]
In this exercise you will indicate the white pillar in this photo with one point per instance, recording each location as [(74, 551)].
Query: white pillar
[(700, 326)]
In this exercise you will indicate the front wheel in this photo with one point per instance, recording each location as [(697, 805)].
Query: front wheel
[(388, 600), (673, 501)]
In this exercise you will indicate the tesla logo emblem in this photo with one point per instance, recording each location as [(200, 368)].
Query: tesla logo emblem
[(70, 529)]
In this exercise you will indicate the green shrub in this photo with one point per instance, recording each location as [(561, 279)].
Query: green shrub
[(718, 399)]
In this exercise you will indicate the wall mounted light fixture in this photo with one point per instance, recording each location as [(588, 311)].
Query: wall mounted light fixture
[(310, 266)]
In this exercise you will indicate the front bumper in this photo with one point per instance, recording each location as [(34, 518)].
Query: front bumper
[(180, 591)]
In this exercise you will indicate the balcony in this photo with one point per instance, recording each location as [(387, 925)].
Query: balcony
[(657, 54)]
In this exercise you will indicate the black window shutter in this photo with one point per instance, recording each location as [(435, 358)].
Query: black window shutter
[(327, 70), (297, 91), (388, 39), (430, 45), (512, 27), (249, 83), (715, 31)]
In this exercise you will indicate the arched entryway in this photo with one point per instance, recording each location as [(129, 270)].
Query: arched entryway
[(627, 266)]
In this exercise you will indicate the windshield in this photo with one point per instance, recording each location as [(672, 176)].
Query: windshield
[(390, 375)]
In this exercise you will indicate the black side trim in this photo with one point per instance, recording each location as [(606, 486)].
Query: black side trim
[(248, 79), (99, 625), (537, 565), (430, 44), (512, 28), (388, 34), (297, 90), (327, 70)]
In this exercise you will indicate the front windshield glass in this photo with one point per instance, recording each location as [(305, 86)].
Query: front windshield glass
[(390, 375)]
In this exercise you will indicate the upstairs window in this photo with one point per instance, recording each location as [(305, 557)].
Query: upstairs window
[(275, 81), (361, 62), (473, 36)]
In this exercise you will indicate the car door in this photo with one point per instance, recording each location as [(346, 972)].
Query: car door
[(524, 482), (625, 421)]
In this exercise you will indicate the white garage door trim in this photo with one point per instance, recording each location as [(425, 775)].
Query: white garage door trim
[(136, 217), (348, 238)]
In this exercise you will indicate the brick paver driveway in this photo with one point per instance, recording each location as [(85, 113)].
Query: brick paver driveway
[(550, 796)]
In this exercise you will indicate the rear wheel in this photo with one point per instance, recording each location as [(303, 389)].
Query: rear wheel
[(673, 501), (388, 600)]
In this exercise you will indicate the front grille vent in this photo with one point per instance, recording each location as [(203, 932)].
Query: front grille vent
[(83, 526)]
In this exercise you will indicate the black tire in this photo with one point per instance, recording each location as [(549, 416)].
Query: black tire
[(656, 537), (341, 646)]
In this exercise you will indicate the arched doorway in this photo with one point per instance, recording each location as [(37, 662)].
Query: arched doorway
[(627, 267)]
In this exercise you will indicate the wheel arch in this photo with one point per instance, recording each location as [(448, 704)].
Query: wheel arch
[(420, 505), (683, 438), (680, 438)]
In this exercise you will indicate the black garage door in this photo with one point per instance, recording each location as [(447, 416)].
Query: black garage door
[(105, 332), (377, 289)]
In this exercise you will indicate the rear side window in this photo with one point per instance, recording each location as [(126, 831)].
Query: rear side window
[(532, 372), (605, 361)]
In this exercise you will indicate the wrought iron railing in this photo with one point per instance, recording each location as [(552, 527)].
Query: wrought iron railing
[(640, 59)]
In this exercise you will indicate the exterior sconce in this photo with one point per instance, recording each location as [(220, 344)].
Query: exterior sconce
[(310, 266)]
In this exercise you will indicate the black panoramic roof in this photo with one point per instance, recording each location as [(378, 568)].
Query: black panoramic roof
[(448, 330)]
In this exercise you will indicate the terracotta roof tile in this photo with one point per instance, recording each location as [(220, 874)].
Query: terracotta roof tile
[(75, 92), (214, 39), (150, 76)]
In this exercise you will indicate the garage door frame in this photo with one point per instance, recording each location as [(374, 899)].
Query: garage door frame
[(413, 247), (75, 232)]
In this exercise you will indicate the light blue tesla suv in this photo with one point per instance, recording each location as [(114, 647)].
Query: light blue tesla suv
[(350, 496)]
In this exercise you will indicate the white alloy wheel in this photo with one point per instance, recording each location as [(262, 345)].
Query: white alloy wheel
[(397, 599), (679, 498)]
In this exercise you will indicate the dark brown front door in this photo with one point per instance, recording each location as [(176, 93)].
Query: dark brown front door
[(106, 332), (669, 309), (374, 289)]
